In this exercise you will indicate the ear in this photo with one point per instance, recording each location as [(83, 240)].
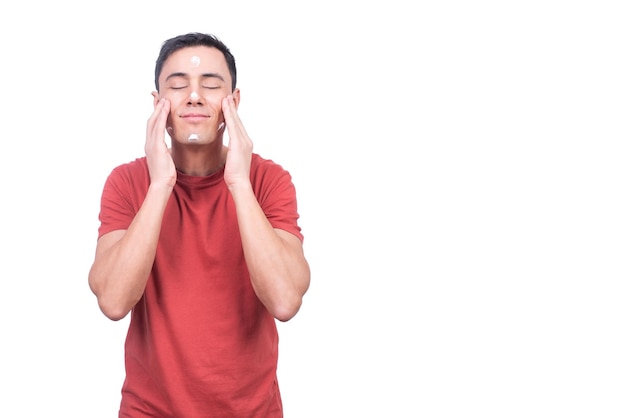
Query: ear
[(155, 95), (236, 98)]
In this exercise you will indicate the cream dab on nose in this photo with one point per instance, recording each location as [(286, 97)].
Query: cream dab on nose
[(194, 95)]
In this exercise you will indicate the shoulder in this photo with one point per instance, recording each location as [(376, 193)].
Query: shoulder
[(270, 180), (130, 174), (135, 169), (260, 165), (137, 165)]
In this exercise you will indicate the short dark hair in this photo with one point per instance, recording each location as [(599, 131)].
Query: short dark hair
[(194, 39)]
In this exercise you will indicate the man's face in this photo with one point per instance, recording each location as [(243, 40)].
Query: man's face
[(195, 80)]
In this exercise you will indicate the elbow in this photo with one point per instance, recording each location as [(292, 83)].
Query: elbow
[(288, 306), (113, 311), (284, 312), (112, 307)]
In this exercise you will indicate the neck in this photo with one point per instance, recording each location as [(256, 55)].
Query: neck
[(199, 160)]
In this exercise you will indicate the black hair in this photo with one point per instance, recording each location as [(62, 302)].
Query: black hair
[(194, 39)]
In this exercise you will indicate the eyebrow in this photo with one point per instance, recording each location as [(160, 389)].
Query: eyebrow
[(185, 75)]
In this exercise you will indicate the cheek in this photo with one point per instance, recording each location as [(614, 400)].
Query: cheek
[(170, 120), (215, 103), (176, 99), (176, 102)]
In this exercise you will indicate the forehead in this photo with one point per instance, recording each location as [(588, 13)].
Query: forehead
[(196, 60)]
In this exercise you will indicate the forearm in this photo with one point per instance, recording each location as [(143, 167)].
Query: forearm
[(122, 265), (278, 269)]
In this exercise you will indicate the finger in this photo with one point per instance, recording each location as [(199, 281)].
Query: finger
[(231, 117), (155, 114), (230, 112), (162, 117), (157, 121)]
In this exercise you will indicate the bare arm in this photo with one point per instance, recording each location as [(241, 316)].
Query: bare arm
[(124, 259), (279, 272), (278, 269)]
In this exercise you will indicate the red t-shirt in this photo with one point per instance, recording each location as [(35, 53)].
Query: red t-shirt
[(200, 343)]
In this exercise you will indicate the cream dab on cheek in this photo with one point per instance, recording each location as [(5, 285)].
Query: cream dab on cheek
[(195, 61)]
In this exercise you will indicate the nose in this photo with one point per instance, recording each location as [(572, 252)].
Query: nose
[(194, 97)]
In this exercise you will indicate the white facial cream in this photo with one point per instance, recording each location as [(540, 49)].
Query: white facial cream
[(192, 137), (195, 61)]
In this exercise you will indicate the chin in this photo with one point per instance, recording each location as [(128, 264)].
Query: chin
[(195, 138)]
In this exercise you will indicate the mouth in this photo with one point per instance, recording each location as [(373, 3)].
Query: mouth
[(194, 117)]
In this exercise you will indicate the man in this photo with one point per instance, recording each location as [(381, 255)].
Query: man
[(201, 243)]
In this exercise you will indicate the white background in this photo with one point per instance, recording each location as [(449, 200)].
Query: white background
[(460, 174)]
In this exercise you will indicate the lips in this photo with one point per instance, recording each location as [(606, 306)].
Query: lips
[(194, 117)]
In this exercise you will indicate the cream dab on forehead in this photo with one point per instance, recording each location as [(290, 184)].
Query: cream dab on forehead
[(195, 61)]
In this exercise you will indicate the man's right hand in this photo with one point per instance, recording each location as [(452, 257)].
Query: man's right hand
[(160, 163)]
